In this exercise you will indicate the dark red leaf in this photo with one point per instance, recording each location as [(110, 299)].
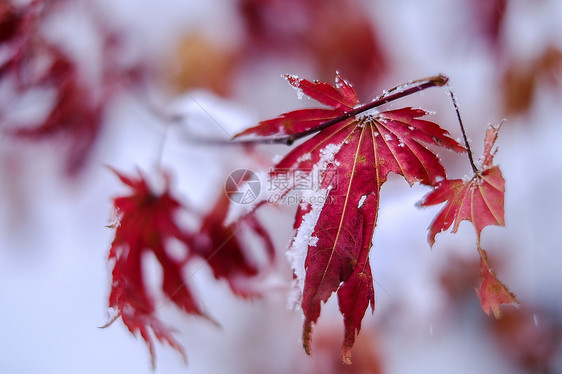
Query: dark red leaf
[(147, 224), (225, 251)]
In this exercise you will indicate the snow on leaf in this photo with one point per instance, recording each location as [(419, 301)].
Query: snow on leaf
[(344, 225), (146, 222)]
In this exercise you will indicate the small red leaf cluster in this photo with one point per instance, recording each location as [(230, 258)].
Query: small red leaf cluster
[(479, 200), (147, 223)]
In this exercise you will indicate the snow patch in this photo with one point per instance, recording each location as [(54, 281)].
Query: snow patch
[(304, 238), (277, 158), (467, 178), (304, 157), (367, 115), (289, 77), (313, 241), (361, 201)]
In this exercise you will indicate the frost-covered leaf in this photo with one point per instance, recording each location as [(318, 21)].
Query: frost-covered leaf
[(336, 221)]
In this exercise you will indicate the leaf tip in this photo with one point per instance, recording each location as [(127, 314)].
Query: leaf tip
[(307, 336), (440, 80), (292, 79), (492, 293), (346, 354)]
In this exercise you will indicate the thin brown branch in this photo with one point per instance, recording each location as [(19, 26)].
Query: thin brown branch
[(403, 90), (468, 150)]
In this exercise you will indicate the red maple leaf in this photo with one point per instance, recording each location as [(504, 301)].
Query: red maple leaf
[(340, 99), (223, 248), (352, 156), (479, 200), (492, 293), (146, 224), (76, 117), (32, 61)]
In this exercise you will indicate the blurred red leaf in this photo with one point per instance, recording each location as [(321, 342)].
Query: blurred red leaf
[(522, 79), (488, 18), (10, 21), (492, 293), (76, 117), (353, 158), (330, 34), (367, 354), (146, 224), (223, 247), (31, 61), (531, 337)]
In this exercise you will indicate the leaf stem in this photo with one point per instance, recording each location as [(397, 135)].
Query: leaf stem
[(415, 86), (412, 87), (468, 150)]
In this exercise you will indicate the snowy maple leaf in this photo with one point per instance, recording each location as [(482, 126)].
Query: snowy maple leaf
[(361, 150)]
